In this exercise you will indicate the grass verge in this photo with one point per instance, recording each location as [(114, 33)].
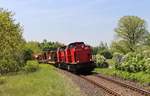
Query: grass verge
[(44, 82), (141, 77)]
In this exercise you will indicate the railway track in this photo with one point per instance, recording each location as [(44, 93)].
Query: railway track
[(124, 90), (104, 89), (101, 86), (87, 87), (139, 90)]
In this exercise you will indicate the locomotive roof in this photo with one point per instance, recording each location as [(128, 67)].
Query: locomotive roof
[(76, 43)]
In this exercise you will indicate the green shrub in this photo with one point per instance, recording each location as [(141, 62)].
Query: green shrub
[(147, 65), (27, 55), (101, 61), (117, 59), (9, 65), (107, 54), (31, 66), (146, 53), (132, 62)]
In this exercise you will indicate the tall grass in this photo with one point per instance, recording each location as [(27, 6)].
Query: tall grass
[(44, 82), (140, 77)]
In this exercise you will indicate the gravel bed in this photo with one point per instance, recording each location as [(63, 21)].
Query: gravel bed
[(113, 86), (86, 87)]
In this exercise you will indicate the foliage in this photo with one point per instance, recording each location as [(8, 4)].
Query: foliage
[(103, 50), (147, 65), (146, 41), (44, 82), (28, 54), (120, 46), (134, 62), (31, 66), (101, 61), (117, 59), (45, 45), (131, 30), (11, 43), (133, 44), (33, 46), (102, 46), (8, 64), (111, 62), (95, 50), (107, 54), (146, 53)]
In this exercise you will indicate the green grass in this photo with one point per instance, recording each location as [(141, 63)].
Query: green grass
[(44, 82), (140, 77)]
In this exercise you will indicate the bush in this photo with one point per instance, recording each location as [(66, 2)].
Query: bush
[(8, 64), (132, 62), (147, 65), (107, 54), (146, 53), (27, 55), (101, 61), (31, 66), (117, 59)]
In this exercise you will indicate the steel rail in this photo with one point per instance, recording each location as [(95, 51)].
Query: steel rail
[(134, 88), (101, 86)]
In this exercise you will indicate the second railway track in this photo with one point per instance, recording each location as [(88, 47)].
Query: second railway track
[(114, 88), (101, 86), (109, 86), (134, 88)]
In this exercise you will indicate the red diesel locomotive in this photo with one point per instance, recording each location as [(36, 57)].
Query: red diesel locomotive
[(76, 57)]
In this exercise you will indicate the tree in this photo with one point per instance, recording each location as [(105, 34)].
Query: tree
[(33, 46), (11, 43), (147, 40), (45, 45), (102, 49), (131, 30), (120, 46), (28, 54)]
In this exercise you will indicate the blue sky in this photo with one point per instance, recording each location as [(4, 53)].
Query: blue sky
[(67, 21)]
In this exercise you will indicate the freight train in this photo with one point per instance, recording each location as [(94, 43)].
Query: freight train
[(75, 57)]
